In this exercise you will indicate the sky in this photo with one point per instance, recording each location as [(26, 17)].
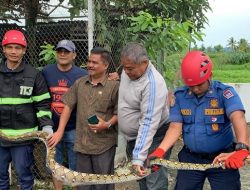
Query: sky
[(229, 18)]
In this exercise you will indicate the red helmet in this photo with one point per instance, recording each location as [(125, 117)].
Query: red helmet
[(196, 68), (14, 37)]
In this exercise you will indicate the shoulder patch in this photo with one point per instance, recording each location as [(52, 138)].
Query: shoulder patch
[(228, 94)]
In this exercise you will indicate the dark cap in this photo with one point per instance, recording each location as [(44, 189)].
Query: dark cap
[(66, 44)]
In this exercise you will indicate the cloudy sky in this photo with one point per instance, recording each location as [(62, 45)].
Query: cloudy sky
[(230, 18)]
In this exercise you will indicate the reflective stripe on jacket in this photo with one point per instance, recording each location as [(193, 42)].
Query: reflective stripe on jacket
[(24, 100)]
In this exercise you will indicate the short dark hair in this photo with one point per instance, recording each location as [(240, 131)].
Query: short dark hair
[(105, 54)]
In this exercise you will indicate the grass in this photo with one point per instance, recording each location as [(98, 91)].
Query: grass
[(225, 72), (235, 76), (232, 73)]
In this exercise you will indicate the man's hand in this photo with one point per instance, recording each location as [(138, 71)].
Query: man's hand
[(48, 129), (140, 170), (113, 76), (158, 153), (171, 99), (101, 126), (55, 139), (221, 158), (236, 160), (248, 159)]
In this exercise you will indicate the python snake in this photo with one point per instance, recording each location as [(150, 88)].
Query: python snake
[(74, 178)]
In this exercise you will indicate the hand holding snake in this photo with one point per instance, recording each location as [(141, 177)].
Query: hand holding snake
[(74, 178)]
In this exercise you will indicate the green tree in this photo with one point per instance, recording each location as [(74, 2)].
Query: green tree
[(232, 43), (243, 45), (109, 12), (209, 49), (181, 11), (162, 37), (218, 48), (112, 18), (202, 48), (31, 10), (116, 14)]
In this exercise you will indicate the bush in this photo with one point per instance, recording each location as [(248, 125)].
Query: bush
[(48, 54), (238, 58), (219, 59)]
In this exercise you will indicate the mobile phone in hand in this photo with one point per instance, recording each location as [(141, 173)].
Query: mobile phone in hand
[(93, 119)]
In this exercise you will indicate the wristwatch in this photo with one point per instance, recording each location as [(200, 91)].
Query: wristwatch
[(109, 125), (240, 146)]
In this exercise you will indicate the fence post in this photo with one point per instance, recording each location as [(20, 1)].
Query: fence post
[(90, 25)]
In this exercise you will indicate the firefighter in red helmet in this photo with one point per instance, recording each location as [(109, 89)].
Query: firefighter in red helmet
[(14, 47), (24, 107), (14, 37), (204, 113), (196, 68)]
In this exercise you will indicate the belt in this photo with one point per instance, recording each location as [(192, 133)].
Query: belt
[(210, 156)]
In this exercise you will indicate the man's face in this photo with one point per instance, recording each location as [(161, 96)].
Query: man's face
[(200, 89), (65, 57), (14, 52), (134, 71), (96, 66)]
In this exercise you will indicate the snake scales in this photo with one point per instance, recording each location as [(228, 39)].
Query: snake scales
[(74, 178)]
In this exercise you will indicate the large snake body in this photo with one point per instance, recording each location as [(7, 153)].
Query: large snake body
[(74, 178)]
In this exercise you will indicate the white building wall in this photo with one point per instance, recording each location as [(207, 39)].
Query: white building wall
[(243, 89)]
